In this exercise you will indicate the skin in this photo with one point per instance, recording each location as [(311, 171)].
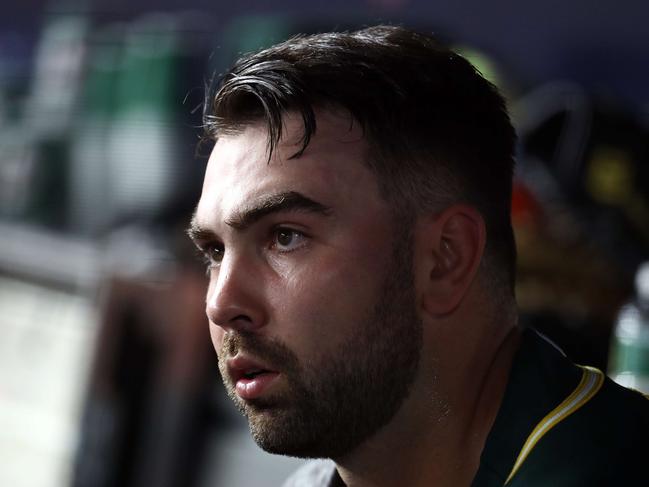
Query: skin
[(306, 295)]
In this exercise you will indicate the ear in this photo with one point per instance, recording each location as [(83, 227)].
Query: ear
[(449, 247)]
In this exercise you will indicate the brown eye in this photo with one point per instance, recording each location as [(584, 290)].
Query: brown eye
[(286, 239), (215, 254)]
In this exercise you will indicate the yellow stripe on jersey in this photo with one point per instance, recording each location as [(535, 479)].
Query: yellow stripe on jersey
[(591, 382)]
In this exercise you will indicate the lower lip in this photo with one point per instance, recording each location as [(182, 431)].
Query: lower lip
[(255, 387)]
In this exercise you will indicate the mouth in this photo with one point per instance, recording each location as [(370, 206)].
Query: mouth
[(251, 378)]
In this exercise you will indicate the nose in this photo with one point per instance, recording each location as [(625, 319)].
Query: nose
[(233, 299)]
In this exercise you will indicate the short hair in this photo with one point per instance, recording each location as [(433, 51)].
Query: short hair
[(437, 132)]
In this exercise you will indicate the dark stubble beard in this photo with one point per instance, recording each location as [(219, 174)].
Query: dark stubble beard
[(329, 408)]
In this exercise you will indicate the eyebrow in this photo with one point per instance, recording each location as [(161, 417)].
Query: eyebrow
[(275, 203)]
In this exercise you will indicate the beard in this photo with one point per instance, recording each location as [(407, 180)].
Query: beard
[(330, 407)]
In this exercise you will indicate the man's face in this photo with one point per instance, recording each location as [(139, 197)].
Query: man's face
[(310, 300)]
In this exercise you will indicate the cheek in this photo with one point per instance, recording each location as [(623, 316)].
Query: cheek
[(320, 306)]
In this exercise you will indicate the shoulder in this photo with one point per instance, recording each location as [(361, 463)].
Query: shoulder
[(577, 427), (316, 473), (618, 415), (602, 443)]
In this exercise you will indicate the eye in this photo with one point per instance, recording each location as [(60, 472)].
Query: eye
[(287, 239), (213, 254)]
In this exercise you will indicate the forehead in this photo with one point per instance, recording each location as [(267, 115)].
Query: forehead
[(331, 170)]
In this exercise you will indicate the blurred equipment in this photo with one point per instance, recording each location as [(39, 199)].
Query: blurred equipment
[(629, 362), (588, 159), (34, 169), (146, 419), (580, 213), (47, 335), (102, 317), (133, 152)]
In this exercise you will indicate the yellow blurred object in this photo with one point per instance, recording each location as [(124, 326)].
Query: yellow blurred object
[(610, 176)]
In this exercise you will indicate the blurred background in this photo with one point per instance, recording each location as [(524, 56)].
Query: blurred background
[(107, 376)]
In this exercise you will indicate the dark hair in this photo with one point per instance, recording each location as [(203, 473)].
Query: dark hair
[(437, 131)]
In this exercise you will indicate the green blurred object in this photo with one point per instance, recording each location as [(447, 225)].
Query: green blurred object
[(48, 118), (89, 192), (142, 140), (251, 33), (49, 187), (629, 362), (148, 73)]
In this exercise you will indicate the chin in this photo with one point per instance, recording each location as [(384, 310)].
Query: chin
[(275, 431), (281, 432), (297, 447)]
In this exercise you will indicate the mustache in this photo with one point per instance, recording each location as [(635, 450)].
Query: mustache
[(272, 352)]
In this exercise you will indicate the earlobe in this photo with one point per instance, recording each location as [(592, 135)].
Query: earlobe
[(452, 244)]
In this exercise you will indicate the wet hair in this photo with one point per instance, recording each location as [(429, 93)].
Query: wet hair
[(437, 132)]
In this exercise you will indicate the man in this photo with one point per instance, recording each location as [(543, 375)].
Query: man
[(355, 221)]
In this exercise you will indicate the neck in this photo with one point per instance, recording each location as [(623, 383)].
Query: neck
[(437, 436)]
